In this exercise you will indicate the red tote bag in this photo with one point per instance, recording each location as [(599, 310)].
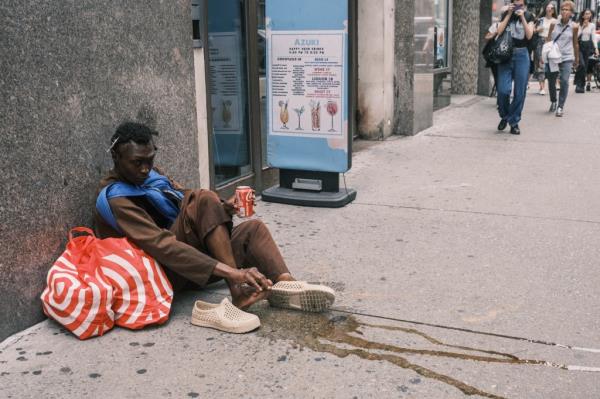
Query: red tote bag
[(97, 283), (76, 295), (142, 294)]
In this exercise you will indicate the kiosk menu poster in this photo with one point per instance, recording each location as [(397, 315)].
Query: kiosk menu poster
[(306, 82), (307, 85)]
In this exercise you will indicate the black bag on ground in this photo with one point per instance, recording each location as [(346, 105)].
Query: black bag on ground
[(500, 50)]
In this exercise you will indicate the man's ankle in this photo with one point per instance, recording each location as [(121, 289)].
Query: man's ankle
[(285, 277)]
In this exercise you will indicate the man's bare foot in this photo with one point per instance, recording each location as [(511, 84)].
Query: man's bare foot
[(245, 296)]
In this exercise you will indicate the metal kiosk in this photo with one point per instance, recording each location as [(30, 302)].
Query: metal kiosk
[(311, 99)]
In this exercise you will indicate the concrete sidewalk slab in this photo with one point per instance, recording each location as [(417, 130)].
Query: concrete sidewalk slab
[(476, 250)]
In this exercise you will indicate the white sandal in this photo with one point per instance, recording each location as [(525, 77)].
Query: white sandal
[(301, 295), (224, 316)]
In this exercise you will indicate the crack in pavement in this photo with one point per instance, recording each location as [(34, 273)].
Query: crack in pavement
[(498, 134), (470, 331), (420, 208)]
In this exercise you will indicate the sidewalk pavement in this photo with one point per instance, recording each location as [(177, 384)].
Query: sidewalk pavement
[(476, 250)]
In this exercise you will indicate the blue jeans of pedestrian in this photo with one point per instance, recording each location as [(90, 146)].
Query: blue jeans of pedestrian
[(564, 71), (517, 70)]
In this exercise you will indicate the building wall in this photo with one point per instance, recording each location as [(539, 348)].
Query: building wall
[(404, 67), (465, 52), (375, 68), (70, 72)]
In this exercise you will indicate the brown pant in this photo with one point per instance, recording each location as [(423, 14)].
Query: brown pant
[(251, 242)]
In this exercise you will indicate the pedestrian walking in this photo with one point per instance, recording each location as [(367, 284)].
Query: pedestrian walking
[(545, 21), (516, 70), (564, 33), (587, 47)]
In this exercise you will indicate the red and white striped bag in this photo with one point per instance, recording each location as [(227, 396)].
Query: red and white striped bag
[(98, 283), (141, 291)]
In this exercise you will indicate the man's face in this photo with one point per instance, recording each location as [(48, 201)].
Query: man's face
[(134, 161)]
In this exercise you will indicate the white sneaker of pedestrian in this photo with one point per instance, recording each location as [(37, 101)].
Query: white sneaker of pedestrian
[(559, 112), (542, 92)]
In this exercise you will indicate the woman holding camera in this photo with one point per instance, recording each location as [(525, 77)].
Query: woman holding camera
[(564, 33), (520, 25)]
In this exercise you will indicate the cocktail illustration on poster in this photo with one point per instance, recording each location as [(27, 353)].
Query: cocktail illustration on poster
[(315, 115), (299, 112), (284, 115), (226, 114), (332, 109)]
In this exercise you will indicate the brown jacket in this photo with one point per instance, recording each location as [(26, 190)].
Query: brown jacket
[(147, 229)]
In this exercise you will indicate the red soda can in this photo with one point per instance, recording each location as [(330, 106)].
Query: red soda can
[(244, 198)]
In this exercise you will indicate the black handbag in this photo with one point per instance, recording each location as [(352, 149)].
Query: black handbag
[(499, 50), (533, 43)]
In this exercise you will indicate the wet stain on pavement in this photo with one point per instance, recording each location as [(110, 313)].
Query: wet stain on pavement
[(22, 358), (134, 344), (193, 394), (148, 344), (342, 336), (141, 371), (37, 372), (65, 370), (43, 353), (94, 375)]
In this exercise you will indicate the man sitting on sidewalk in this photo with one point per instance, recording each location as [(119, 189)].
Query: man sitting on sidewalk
[(190, 232)]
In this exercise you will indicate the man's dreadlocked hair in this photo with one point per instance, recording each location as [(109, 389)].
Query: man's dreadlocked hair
[(131, 131)]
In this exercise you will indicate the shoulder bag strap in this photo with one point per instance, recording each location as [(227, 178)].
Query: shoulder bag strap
[(561, 32)]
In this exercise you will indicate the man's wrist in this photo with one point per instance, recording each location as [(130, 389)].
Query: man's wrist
[(227, 272), (232, 274)]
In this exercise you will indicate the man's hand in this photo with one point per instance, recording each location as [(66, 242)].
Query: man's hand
[(576, 63), (230, 206), (253, 278)]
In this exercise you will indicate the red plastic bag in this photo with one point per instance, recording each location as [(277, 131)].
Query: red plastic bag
[(76, 295), (142, 294), (98, 283)]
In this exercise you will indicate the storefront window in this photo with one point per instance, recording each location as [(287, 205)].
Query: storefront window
[(442, 75), (262, 76), (228, 89), (441, 34)]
